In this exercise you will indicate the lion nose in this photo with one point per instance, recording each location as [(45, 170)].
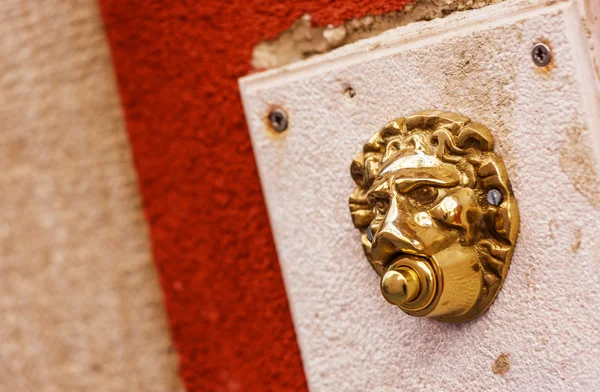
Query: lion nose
[(394, 235)]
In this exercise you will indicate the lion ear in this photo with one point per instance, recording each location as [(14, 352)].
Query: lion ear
[(475, 135), (364, 170), (391, 148)]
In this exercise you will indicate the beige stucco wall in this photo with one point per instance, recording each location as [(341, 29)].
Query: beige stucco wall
[(80, 306)]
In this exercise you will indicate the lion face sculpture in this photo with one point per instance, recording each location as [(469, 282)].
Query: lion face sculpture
[(437, 214)]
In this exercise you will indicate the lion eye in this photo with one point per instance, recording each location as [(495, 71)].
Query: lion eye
[(382, 205), (424, 194)]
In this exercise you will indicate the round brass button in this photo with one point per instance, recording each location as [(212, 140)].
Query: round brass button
[(400, 286)]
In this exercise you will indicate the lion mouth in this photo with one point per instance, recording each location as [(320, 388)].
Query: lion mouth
[(396, 257)]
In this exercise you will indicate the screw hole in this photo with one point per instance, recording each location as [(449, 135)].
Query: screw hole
[(349, 92)]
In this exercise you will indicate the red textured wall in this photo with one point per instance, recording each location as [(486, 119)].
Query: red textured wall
[(177, 65)]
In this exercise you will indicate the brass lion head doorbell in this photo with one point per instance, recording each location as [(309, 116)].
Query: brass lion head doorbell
[(437, 214)]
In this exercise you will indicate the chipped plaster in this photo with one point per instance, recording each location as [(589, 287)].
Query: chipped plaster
[(303, 40)]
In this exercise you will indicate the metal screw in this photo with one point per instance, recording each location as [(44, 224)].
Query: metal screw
[(369, 234), (541, 54), (278, 119), (494, 197)]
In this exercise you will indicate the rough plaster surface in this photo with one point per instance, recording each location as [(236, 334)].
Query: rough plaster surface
[(543, 331), (80, 306)]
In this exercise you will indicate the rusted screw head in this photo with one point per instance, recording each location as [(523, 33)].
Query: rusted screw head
[(278, 119), (541, 54)]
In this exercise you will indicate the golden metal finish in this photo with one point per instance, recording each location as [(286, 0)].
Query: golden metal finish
[(400, 286), (437, 214)]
